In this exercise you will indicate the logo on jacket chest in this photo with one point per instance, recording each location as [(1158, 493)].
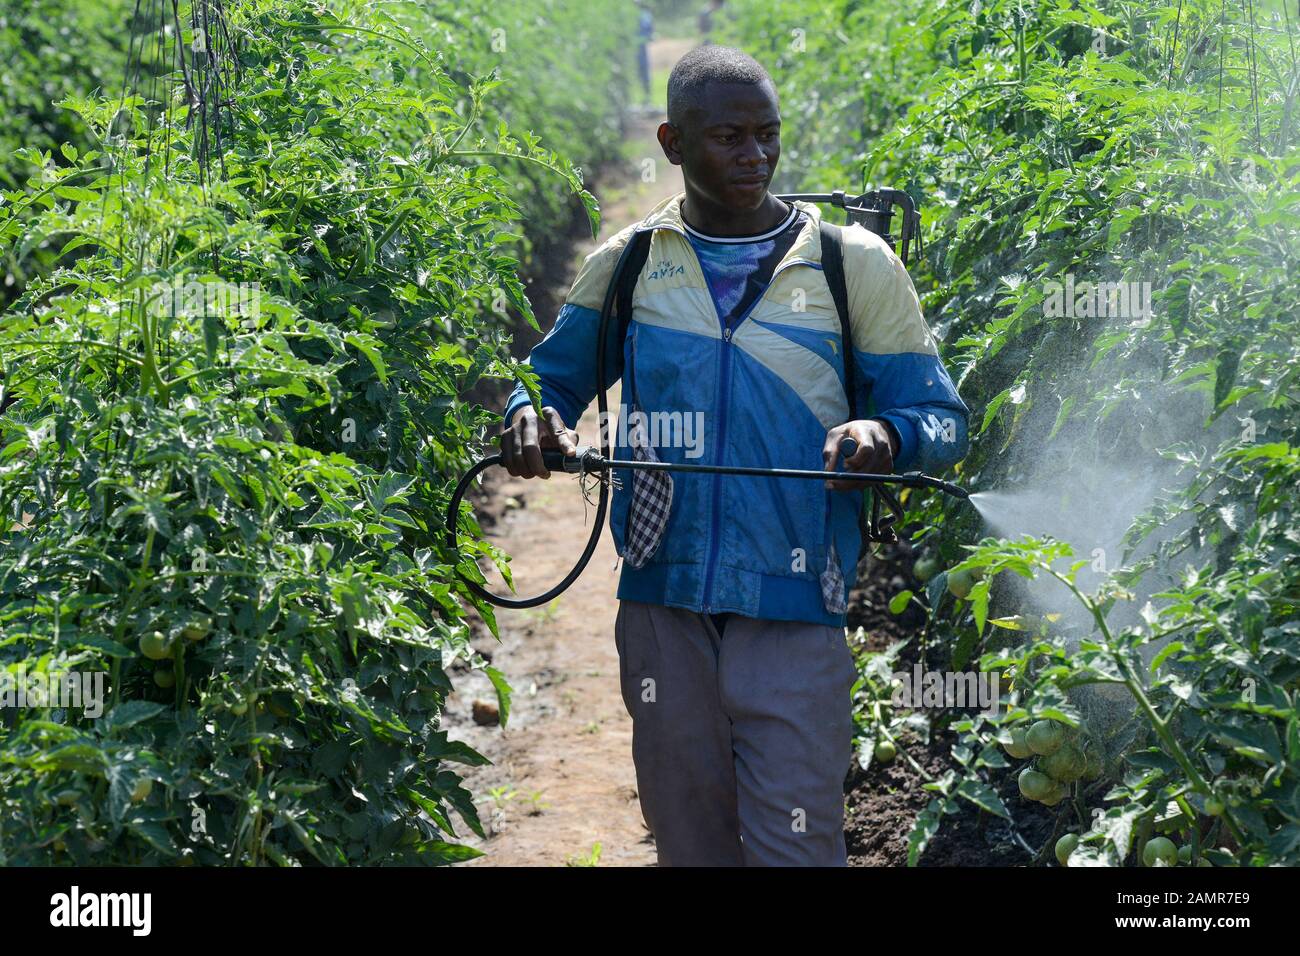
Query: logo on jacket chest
[(666, 269)]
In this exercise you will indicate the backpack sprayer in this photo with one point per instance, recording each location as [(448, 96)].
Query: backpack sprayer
[(872, 210)]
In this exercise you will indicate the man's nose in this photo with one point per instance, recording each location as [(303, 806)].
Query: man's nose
[(752, 153)]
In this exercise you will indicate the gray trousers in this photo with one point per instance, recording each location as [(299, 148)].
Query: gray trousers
[(742, 740)]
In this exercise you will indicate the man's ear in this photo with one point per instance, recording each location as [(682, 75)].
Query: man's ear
[(670, 142)]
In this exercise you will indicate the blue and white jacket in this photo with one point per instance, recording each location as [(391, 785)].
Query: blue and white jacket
[(767, 392)]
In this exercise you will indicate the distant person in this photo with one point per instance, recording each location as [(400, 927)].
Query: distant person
[(646, 33), (706, 19)]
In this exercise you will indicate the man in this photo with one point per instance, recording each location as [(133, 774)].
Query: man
[(733, 658), (645, 29), (706, 19)]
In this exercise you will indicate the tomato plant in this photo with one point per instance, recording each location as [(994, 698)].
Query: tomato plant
[(1046, 144), (232, 385)]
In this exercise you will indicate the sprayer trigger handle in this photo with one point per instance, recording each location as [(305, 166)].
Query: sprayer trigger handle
[(556, 460), (848, 448)]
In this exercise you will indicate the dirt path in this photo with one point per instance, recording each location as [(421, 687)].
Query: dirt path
[(561, 787)]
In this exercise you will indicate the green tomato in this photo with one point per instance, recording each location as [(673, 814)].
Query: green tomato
[(197, 630), (885, 752), (1185, 854), (155, 646), (1034, 785), (1058, 793), (960, 583), (925, 568), (1045, 737), (1065, 764), (1065, 846), (1214, 807), (164, 677), (239, 708), (1159, 851), (1093, 767), (143, 787), (1019, 746)]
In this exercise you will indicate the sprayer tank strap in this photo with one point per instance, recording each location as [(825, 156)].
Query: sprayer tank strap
[(833, 270), (626, 279)]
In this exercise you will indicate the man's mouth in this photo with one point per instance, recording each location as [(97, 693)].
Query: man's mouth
[(750, 182)]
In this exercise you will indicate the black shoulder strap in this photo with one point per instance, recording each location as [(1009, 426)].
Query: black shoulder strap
[(833, 269), (626, 279)]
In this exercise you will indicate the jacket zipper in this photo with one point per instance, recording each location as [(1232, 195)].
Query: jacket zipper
[(724, 377), (724, 381)]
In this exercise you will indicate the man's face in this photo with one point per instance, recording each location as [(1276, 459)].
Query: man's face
[(729, 144)]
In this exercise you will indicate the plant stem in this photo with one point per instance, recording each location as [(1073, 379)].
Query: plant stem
[(1134, 685)]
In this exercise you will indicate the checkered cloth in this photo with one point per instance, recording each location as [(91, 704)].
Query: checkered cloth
[(652, 498), (833, 596)]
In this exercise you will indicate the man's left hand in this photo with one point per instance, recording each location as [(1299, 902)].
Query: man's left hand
[(876, 450)]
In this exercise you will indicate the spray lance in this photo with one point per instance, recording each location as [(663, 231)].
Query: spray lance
[(872, 210)]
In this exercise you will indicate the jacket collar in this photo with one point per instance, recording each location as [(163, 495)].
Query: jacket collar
[(808, 246)]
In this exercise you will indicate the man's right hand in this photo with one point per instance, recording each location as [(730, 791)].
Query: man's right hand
[(522, 442)]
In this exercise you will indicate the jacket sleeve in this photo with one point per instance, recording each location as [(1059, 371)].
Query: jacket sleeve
[(565, 359), (903, 380)]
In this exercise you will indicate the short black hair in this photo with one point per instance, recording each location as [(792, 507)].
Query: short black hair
[(709, 64)]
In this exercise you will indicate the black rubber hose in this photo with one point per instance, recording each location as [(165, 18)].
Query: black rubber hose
[(453, 514)]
